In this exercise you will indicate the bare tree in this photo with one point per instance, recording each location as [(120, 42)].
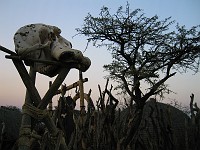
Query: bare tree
[(144, 50)]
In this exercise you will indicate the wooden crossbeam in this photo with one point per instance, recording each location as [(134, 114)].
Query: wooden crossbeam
[(7, 50), (69, 87), (49, 62)]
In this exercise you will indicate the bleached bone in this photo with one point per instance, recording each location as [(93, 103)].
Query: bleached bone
[(44, 42)]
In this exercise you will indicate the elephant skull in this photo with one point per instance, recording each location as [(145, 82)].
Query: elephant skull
[(44, 42)]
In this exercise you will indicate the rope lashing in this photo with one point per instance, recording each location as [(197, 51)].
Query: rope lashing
[(25, 131), (34, 111)]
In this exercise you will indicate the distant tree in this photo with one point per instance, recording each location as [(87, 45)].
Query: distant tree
[(143, 49)]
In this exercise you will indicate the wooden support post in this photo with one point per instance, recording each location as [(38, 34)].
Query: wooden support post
[(82, 106), (25, 130)]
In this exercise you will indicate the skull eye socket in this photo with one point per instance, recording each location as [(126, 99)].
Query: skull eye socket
[(52, 36)]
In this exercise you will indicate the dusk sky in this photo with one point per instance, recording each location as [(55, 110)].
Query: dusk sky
[(70, 14)]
